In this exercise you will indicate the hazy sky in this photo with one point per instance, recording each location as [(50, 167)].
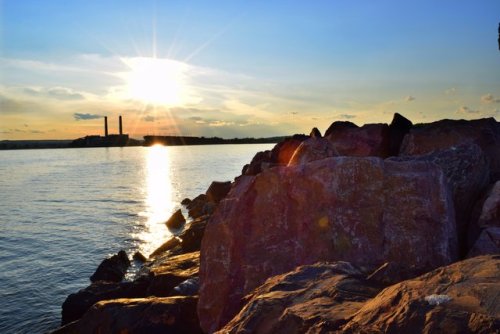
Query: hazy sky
[(242, 68)]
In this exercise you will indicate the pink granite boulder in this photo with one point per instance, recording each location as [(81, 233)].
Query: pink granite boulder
[(362, 210), (365, 141)]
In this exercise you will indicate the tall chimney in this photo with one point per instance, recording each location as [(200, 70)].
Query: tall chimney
[(121, 129), (105, 126)]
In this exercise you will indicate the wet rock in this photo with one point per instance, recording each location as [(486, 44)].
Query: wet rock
[(312, 149), (112, 269), (138, 256), (176, 220), (459, 298), (467, 172), (488, 242), (76, 304), (323, 293), (166, 246), (361, 210), (217, 191), (398, 128), (315, 133), (168, 272), (448, 133), (368, 140), (144, 315)]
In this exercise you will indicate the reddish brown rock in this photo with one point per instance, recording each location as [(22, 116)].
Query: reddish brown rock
[(368, 140), (306, 297), (143, 315), (467, 172), (339, 126), (362, 210), (312, 149), (315, 133), (448, 133), (196, 208), (460, 298), (217, 191), (488, 242), (176, 220), (166, 246)]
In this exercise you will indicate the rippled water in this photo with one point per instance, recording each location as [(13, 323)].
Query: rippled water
[(63, 211)]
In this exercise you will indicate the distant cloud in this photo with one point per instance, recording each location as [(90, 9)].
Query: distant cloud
[(409, 98), (347, 116), (85, 117), (196, 118), (148, 118), (59, 93), (466, 110), (451, 91), (488, 98), (36, 131)]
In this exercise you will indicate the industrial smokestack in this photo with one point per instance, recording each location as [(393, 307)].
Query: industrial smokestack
[(121, 129), (105, 126)]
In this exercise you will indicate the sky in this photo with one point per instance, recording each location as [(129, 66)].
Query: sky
[(242, 68)]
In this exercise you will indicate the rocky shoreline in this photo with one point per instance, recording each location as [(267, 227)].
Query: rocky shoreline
[(384, 228)]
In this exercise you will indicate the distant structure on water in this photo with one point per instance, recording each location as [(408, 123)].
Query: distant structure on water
[(108, 140)]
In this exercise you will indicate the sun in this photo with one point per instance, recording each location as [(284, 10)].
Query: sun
[(156, 80)]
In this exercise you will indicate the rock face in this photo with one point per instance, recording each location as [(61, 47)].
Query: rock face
[(365, 141), (176, 220), (312, 149), (460, 298), (467, 172), (447, 133), (217, 191), (307, 297), (487, 243), (112, 269), (362, 210), (147, 315)]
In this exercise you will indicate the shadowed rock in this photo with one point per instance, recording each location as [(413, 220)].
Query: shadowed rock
[(339, 126), (174, 315), (315, 133), (362, 210), (176, 220), (112, 269), (217, 191), (448, 133), (488, 242), (398, 128), (365, 141), (315, 148)]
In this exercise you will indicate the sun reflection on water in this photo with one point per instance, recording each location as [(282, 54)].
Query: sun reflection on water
[(158, 199)]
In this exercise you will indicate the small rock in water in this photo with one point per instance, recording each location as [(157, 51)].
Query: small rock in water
[(186, 201), (112, 269), (138, 256), (176, 220)]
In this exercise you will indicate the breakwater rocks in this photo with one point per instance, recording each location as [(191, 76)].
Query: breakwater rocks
[(384, 228)]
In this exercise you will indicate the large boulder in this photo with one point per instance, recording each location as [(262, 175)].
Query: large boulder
[(365, 141), (308, 297), (361, 210), (314, 148), (112, 269), (460, 298), (449, 133), (467, 172), (143, 315)]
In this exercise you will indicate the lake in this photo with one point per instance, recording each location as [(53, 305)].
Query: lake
[(62, 211)]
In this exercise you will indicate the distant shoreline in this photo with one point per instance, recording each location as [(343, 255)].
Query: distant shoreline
[(148, 141)]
